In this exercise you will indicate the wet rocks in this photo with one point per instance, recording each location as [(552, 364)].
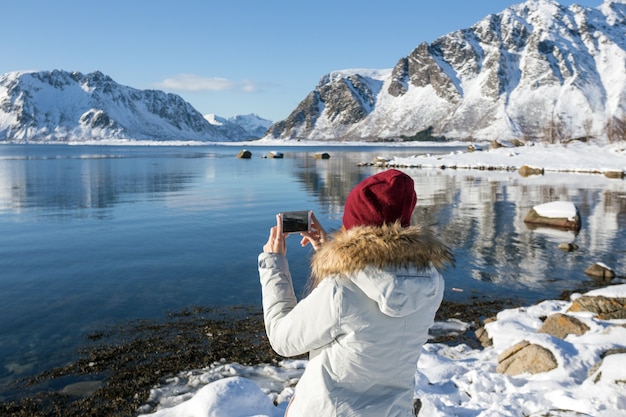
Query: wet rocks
[(568, 247), (600, 272)]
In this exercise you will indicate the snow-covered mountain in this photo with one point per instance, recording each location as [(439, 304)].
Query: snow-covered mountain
[(240, 127), (71, 106), (537, 69)]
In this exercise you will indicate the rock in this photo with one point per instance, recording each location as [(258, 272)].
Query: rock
[(600, 271), (560, 325), (380, 161), (503, 143), (598, 373), (568, 247), (474, 147), (321, 155), (614, 174), (559, 214), (525, 357), (81, 389), (482, 335), (276, 155), (605, 308), (244, 154), (526, 171)]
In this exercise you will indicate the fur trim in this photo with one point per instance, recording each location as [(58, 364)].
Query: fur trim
[(385, 246)]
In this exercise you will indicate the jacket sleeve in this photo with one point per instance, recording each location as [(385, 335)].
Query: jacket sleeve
[(295, 328)]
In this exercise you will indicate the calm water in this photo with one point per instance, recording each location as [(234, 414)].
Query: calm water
[(92, 236)]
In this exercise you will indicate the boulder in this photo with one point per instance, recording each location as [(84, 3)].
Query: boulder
[(525, 357), (600, 271), (321, 155), (559, 214), (560, 325), (244, 154), (527, 171), (614, 174), (603, 307), (568, 247), (602, 370)]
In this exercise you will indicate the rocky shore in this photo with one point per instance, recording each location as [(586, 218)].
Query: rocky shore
[(113, 374)]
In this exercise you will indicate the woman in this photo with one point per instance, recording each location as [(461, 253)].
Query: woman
[(375, 291)]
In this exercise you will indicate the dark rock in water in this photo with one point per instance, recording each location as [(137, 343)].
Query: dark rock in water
[(568, 247), (276, 155), (244, 154), (556, 217), (600, 271), (81, 389), (322, 155)]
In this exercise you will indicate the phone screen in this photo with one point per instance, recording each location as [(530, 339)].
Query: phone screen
[(296, 221)]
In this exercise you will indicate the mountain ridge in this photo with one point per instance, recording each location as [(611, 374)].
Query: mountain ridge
[(62, 106), (535, 69)]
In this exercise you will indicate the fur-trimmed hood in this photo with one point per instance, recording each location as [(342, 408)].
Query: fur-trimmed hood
[(388, 246)]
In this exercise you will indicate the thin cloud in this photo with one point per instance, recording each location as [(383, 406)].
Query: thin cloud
[(196, 83)]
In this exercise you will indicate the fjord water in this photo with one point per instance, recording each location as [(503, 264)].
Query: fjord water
[(93, 236)]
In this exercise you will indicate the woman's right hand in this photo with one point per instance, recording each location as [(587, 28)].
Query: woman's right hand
[(276, 242), (317, 236)]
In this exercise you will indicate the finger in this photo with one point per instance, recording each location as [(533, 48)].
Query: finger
[(306, 239), (279, 224)]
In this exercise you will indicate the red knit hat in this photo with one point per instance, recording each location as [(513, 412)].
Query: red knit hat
[(386, 197)]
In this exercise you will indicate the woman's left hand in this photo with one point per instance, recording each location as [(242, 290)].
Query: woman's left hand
[(317, 236), (276, 243)]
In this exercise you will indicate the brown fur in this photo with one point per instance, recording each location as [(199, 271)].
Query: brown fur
[(387, 246)]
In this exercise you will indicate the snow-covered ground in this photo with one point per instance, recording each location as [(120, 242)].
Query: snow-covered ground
[(575, 157), (458, 380), (451, 380)]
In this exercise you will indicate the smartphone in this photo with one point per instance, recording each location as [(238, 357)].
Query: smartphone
[(296, 221)]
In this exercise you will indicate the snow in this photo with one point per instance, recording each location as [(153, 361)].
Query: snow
[(451, 380), (557, 210), (574, 157)]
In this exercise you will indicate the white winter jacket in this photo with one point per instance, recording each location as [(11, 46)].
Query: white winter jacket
[(363, 325)]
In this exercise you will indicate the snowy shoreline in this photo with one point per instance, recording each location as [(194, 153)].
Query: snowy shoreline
[(451, 380), (574, 157)]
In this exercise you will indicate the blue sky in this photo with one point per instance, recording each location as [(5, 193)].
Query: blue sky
[(228, 57)]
